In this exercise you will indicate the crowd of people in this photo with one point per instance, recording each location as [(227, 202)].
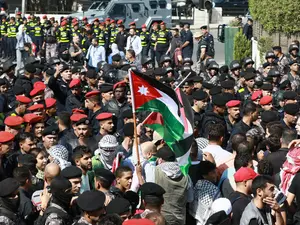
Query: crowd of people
[(67, 139)]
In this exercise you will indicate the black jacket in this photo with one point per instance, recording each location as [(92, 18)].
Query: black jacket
[(61, 91), (121, 41), (26, 83)]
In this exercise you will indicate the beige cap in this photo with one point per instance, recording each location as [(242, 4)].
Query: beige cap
[(197, 35), (156, 137)]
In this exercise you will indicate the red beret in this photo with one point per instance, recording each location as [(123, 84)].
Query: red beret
[(50, 102), (32, 118), (119, 84), (64, 23), (139, 222), (92, 93), (155, 23), (36, 91), (265, 100), (96, 20), (112, 21), (74, 82), (74, 20), (64, 19), (29, 17), (74, 24), (102, 24), (104, 116), (6, 137), (19, 13), (79, 111), (23, 99), (233, 103), (13, 121), (36, 107), (244, 174), (39, 84), (88, 25), (84, 18), (119, 21), (162, 23), (144, 26), (44, 17), (77, 116), (132, 24), (256, 95), (107, 19)]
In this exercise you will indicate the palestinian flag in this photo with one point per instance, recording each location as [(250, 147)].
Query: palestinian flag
[(168, 117)]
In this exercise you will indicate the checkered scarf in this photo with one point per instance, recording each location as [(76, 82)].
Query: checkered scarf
[(60, 156)]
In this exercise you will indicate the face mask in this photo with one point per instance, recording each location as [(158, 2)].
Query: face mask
[(12, 204)]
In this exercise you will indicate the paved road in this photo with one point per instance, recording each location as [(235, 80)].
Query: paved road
[(219, 48)]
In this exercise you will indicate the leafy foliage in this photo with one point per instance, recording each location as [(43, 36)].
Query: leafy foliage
[(276, 15), (242, 46), (264, 44)]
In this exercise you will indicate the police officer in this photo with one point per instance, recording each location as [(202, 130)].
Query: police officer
[(31, 24), (87, 41), (96, 29), (153, 39), (76, 30), (92, 205), (206, 49), (163, 42), (103, 36), (245, 92), (3, 38), (64, 36), (209, 39), (38, 36), (145, 40), (19, 20), (200, 99), (113, 32), (50, 42), (12, 34)]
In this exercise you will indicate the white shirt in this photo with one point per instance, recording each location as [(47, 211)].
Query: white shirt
[(220, 155), (95, 55), (135, 44)]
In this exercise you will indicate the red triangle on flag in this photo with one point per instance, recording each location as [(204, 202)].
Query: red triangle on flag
[(143, 92)]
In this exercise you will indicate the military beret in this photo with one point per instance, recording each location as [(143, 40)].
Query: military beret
[(76, 69), (116, 58), (64, 23), (200, 95), (215, 90), (30, 68), (274, 73), (36, 91), (26, 160), (23, 99), (50, 130), (207, 85), (270, 54), (71, 172), (90, 201), (204, 27), (104, 88), (78, 116), (289, 95), (106, 174), (50, 72), (32, 118), (228, 84), (60, 184), (128, 130), (13, 121), (50, 102), (150, 188), (265, 100), (36, 107), (78, 111), (92, 74), (249, 76), (235, 65), (269, 116), (291, 109), (8, 187), (233, 103), (75, 83), (284, 84), (119, 84), (65, 67), (218, 100), (104, 116), (118, 206), (138, 222), (6, 137), (92, 93), (127, 114), (256, 95), (267, 87)]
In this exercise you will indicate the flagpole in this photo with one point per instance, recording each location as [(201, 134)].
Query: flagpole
[(134, 118)]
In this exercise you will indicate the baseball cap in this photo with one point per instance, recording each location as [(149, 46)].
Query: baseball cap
[(244, 174)]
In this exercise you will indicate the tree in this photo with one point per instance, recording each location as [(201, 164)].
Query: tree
[(276, 15), (242, 46)]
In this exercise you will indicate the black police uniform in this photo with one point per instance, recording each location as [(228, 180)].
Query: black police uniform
[(145, 41), (162, 43)]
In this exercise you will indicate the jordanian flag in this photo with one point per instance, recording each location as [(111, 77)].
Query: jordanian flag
[(168, 117)]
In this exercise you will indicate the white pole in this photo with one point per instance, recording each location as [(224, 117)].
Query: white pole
[(23, 7)]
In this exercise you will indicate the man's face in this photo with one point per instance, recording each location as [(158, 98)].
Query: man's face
[(250, 83), (94, 43), (248, 185), (107, 125), (201, 104), (3, 88), (212, 72), (85, 162), (37, 98), (22, 108), (76, 91), (187, 89), (266, 92), (13, 130), (234, 112), (76, 38), (81, 131), (295, 67), (107, 96), (76, 185), (27, 145), (119, 93), (204, 31), (268, 107), (89, 104), (49, 141), (221, 110), (126, 180), (6, 147), (67, 75), (255, 115), (291, 119), (268, 191)]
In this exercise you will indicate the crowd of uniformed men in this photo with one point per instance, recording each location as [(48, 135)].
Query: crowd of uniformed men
[(67, 132)]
